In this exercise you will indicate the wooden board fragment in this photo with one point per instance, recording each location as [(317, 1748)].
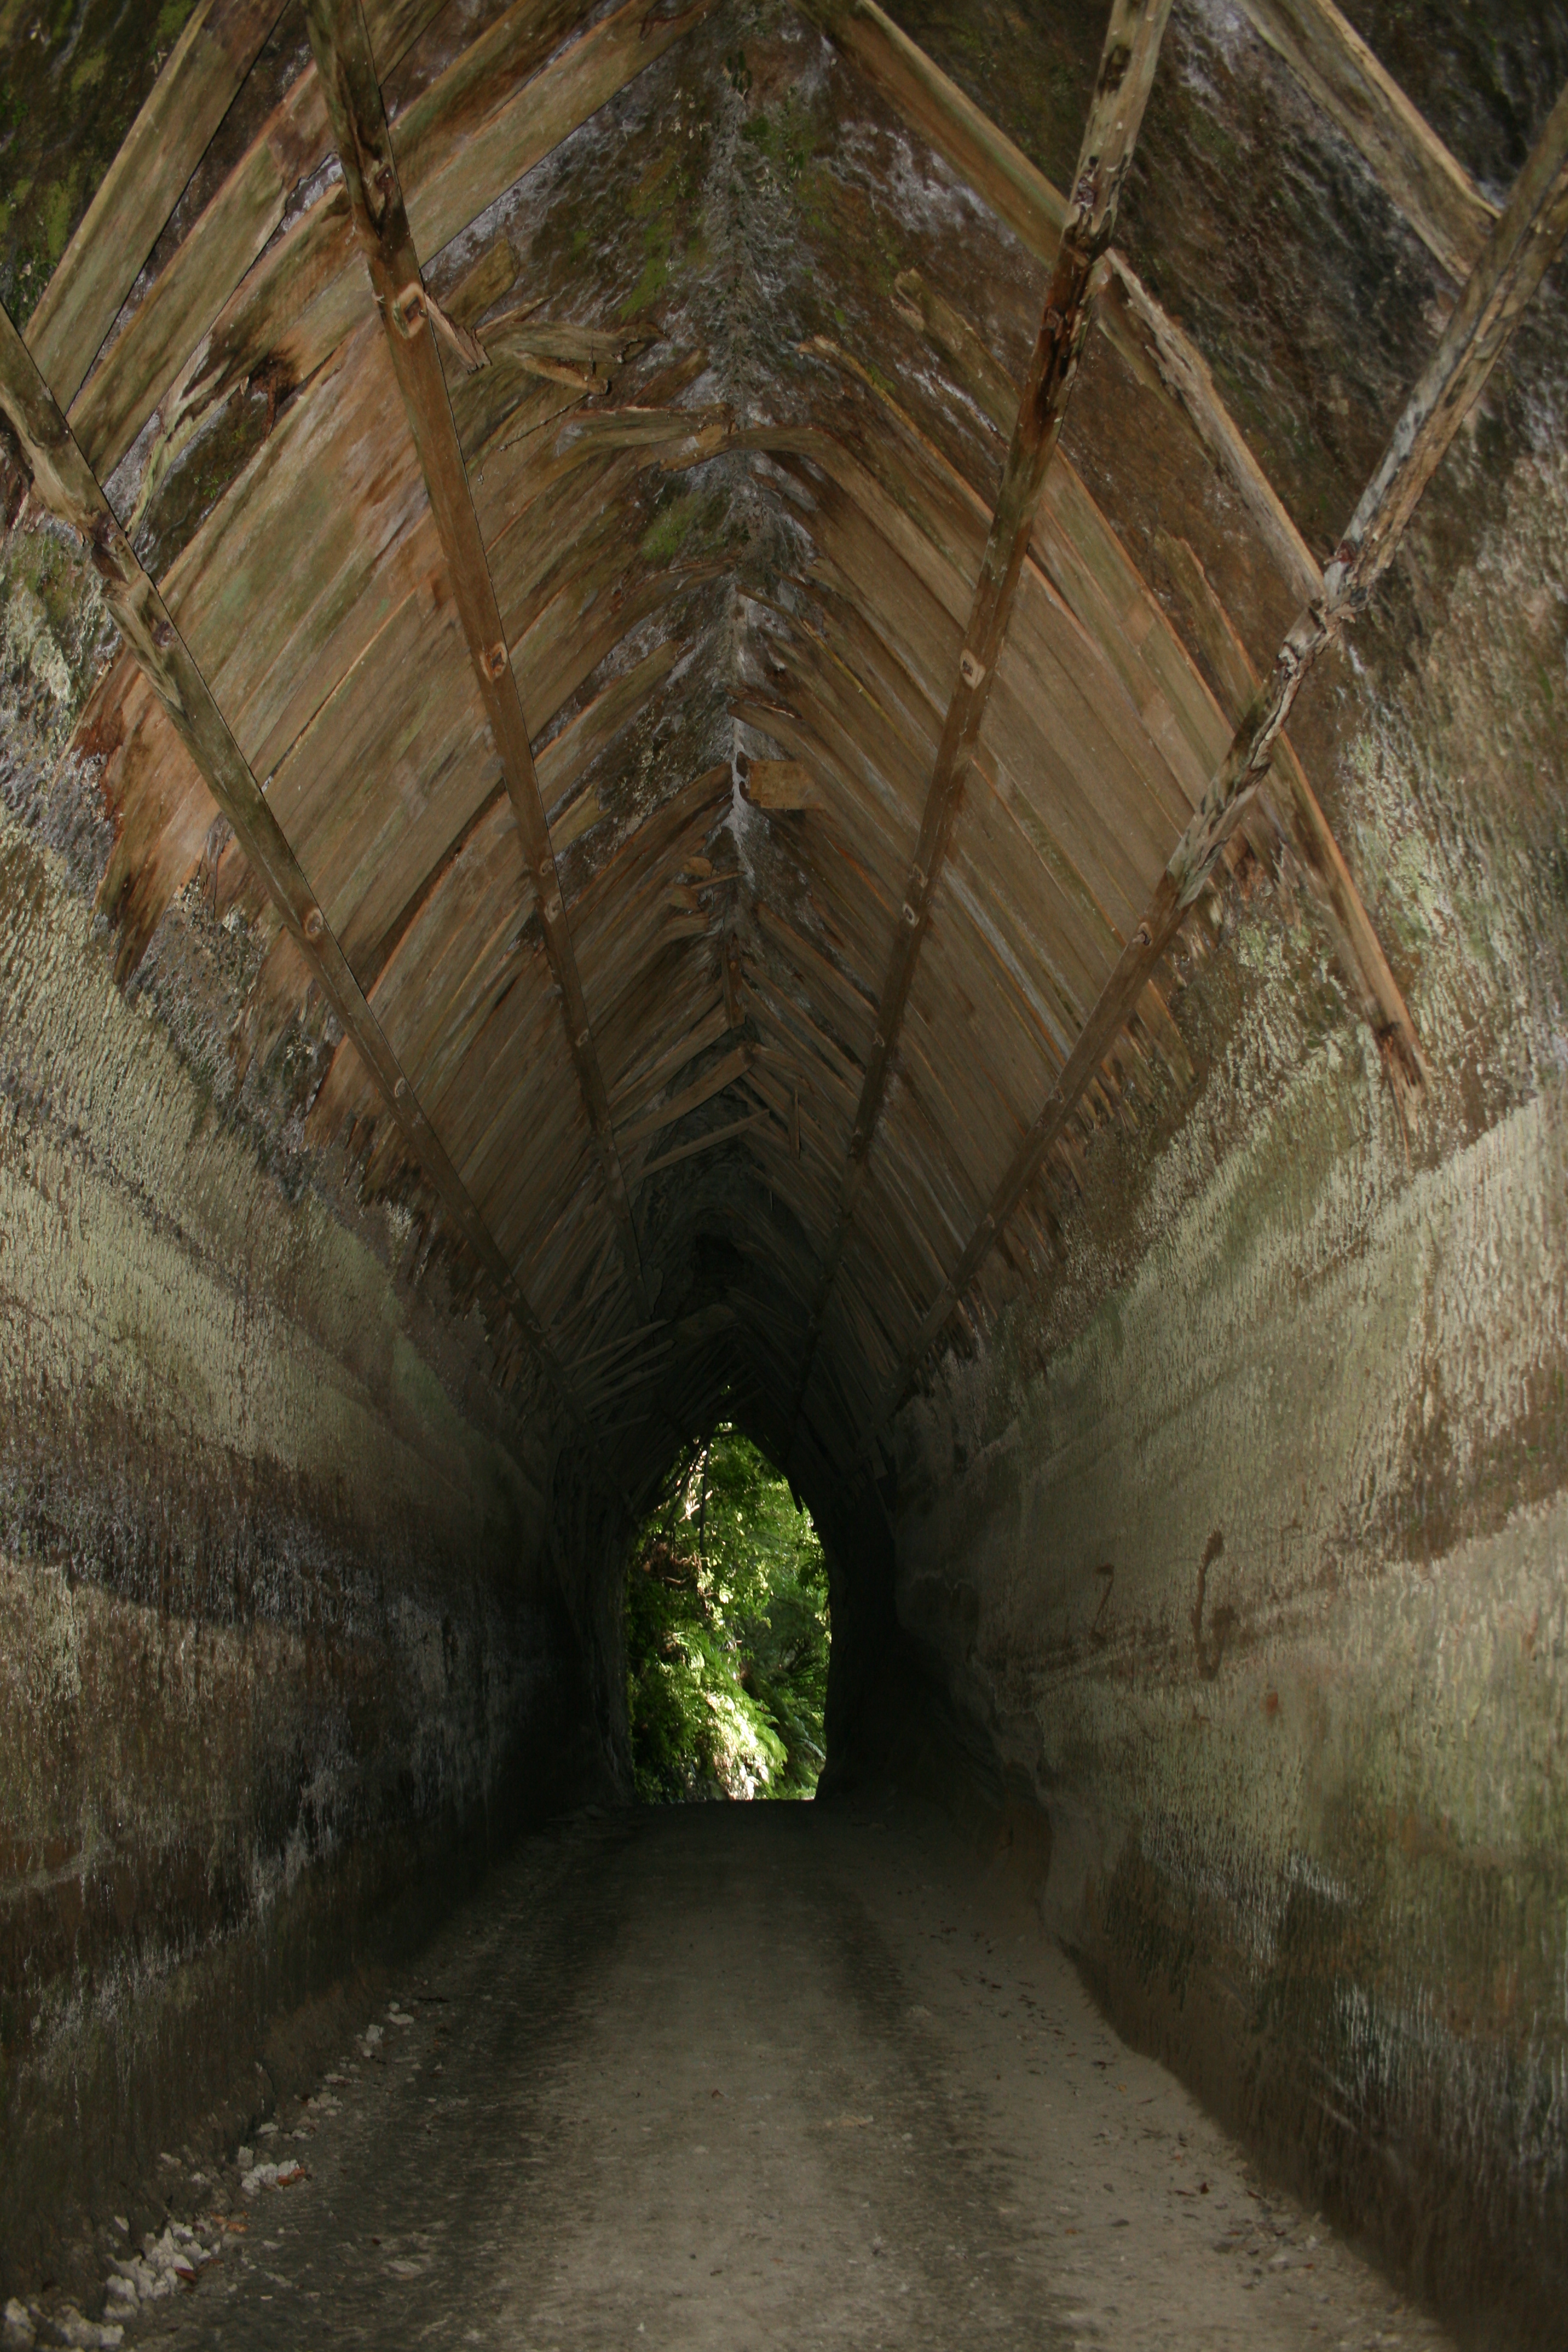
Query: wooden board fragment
[(1407, 159), (142, 185), (782, 784)]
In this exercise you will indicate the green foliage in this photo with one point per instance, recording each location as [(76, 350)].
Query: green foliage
[(726, 1631)]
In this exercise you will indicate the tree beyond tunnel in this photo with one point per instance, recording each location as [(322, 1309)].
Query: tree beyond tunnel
[(726, 1628)]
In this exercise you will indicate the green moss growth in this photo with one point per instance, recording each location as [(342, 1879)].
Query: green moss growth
[(71, 84), (666, 534)]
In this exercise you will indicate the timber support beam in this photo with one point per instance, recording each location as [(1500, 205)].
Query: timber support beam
[(1148, 339), (1127, 65), (1513, 263), (347, 71), (65, 485)]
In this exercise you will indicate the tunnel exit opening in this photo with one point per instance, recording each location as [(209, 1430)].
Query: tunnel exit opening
[(727, 1633)]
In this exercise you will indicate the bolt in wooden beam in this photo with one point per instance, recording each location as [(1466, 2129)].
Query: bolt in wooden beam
[(1128, 60), (65, 483), (347, 71), (1499, 289)]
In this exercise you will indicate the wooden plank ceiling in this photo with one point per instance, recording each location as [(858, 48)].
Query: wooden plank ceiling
[(723, 870)]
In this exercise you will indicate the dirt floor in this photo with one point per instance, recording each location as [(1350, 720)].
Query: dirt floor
[(736, 2075)]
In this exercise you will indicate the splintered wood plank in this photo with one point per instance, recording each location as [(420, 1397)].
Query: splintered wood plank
[(63, 481), (158, 800), (141, 186), (713, 1082), (782, 785), (715, 1135), (387, 239)]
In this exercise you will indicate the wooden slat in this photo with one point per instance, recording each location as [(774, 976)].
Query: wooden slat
[(1407, 159), (703, 1142), (637, 1086), (214, 255), (1516, 256), (713, 1082), (783, 785), (64, 484), (1323, 859), (1156, 345), (306, 293), (370, 172), (1129, 57), (142, 185), (1006, 179)]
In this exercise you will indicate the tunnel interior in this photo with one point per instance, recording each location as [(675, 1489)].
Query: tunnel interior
[(847, 720)]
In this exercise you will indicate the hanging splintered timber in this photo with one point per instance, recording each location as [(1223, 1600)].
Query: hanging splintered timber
[(64, 484), (1127, 64), (353, 96), (1514, 260)]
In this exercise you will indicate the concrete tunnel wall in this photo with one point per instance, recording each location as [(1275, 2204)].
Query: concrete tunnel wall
[(1236, 1547), (298, 1611), (1244, 1533)]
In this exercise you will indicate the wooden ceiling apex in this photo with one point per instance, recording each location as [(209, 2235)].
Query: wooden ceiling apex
[(760, 1012)]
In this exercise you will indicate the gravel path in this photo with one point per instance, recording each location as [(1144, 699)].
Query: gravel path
[(730, 2076)]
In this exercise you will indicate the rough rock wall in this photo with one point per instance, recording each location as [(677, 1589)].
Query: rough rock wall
[(295, 1592), (1244, 1531)]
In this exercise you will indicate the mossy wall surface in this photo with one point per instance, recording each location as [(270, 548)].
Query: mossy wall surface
[(298, 1608), (1244, 1532)]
